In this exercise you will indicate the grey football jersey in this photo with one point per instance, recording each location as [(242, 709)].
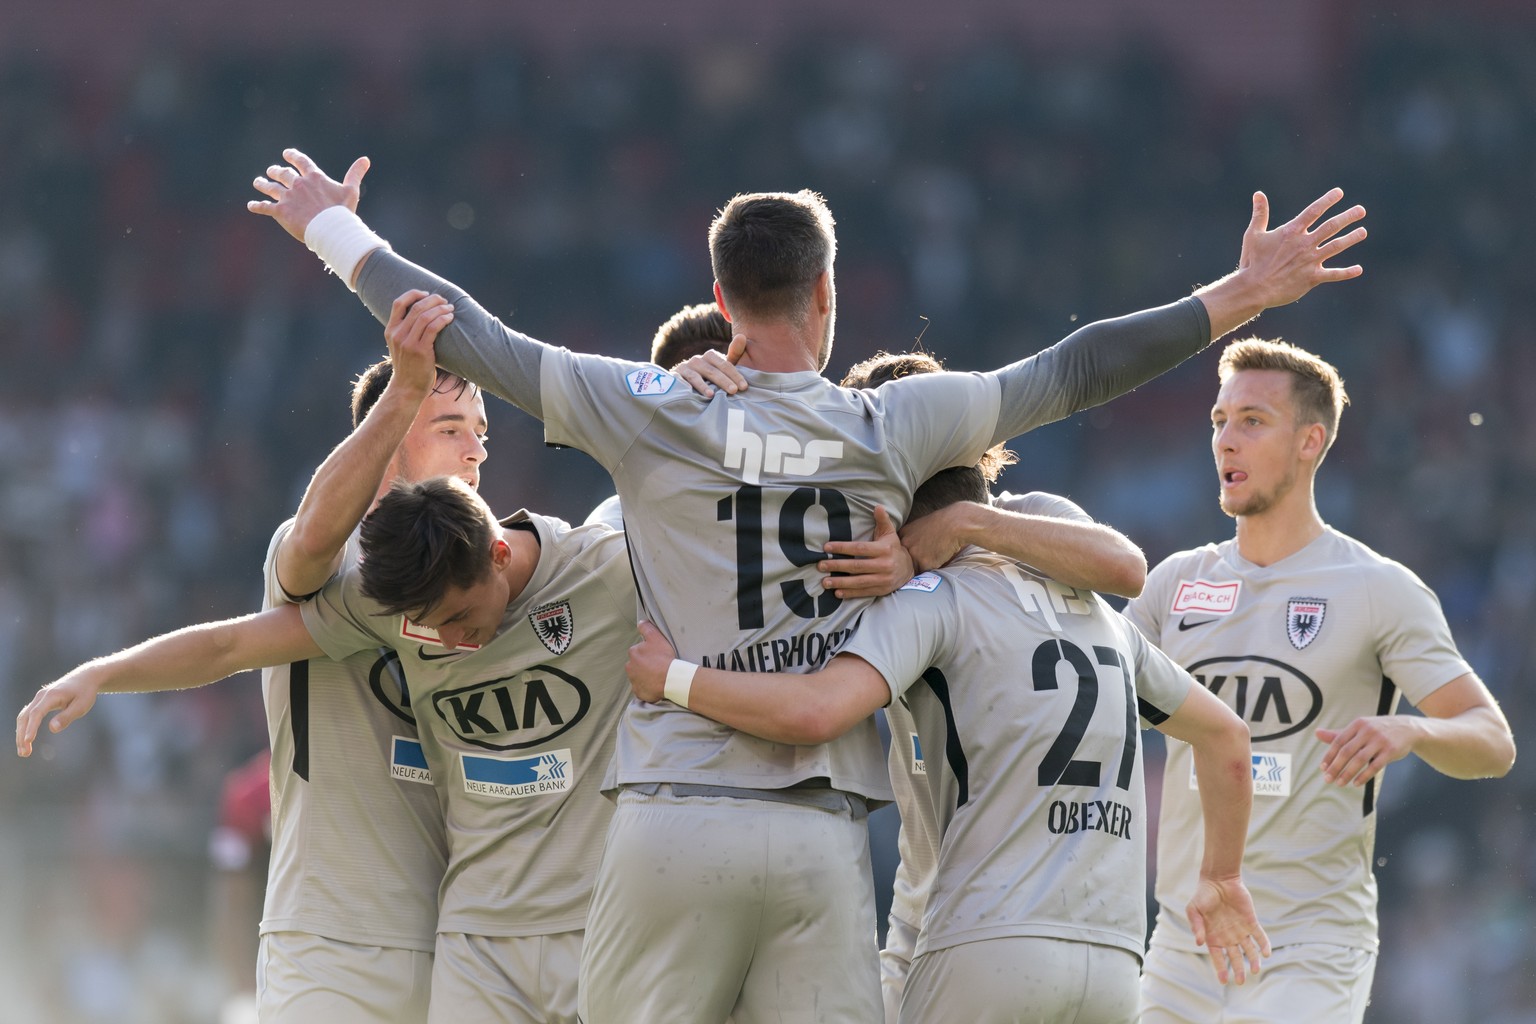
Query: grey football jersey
[(917, 842), (358, 849), (1026, 696), (518, 732), (731, 499), (1332, 633)]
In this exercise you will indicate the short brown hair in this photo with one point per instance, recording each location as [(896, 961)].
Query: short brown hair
[(888, 366), (691, 331), (768, 248), (1317, 390), (422, 539), (370, 384), (947, 486)]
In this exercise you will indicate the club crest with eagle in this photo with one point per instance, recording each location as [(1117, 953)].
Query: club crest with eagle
[(1304, 619), (554, 626)]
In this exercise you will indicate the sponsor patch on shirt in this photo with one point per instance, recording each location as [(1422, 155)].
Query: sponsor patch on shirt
[(408, 763), (515, 778), (428, 635), (1271, 774), (1205, 596), (919, 766), (1304, 620), (554, 625), (927, 582), (643, 383)]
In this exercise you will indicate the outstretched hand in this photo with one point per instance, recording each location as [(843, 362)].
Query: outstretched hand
[(296, 193), (66, 699), (1291, 260), (648, 663), (867, 568), (1222, 919)]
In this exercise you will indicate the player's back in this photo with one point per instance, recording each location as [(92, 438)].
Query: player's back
[(729, 503), (1028, 725)]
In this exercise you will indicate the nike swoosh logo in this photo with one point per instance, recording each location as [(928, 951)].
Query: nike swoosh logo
[(438, 657), (1184, 624)]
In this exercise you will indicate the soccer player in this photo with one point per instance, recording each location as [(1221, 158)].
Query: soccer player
[(1311, 637), (1035, 907), (1046, 532), (728, 504), (358, 849), (513, 637)]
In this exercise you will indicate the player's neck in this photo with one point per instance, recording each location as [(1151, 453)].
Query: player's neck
[(1281, 530), (778, 346), (525, 559)]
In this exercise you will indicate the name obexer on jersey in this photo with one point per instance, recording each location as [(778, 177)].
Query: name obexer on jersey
[(807, 650), (755, 454)]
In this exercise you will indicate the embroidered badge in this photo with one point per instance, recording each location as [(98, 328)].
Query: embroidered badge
[(1304, 620), (554, 626), (649, 382)]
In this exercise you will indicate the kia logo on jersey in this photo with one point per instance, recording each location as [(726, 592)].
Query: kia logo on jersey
[(515, 712), (1275, 699)]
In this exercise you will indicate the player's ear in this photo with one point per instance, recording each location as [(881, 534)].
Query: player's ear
[(823, 294), (501, 554), (1313, 442), (720, 302)]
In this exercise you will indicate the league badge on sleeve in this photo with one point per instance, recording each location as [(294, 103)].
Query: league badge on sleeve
[(1304, 620), (927, 582), (649, 381)]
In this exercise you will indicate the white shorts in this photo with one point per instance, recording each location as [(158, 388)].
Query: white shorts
[(716, 906), (1304, 981), (1022, 978), (480, 979), (306, 979)]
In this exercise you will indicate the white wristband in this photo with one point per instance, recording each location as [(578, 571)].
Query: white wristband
[(679, 681), (340, 238)]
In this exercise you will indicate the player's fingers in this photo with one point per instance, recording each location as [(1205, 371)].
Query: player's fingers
[(1331, 274), (1259, 220), (354, 176), (1331, 248), (284, 176), (401, 307), (1338, 222), (695, 381), (268, 187), (1197, 925), (300, 160), (852, 549), (736, 349), (1235, 963), (883, 525), (1317, 207)]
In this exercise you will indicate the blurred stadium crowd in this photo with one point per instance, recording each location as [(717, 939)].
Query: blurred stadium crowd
[(174, 369)]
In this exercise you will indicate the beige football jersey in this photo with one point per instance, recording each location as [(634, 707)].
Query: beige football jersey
[(358, 843), (918, 841), (1332, 633), (517, 732), (1027, 697)]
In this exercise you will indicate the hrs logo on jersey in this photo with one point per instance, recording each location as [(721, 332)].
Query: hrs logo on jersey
[(513, 778), (1304, 620), (554, 625), (515, 712), (649, 382), (756, 454), (1275, 699)]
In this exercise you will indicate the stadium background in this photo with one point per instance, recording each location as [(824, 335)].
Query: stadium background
[(173, 368)]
